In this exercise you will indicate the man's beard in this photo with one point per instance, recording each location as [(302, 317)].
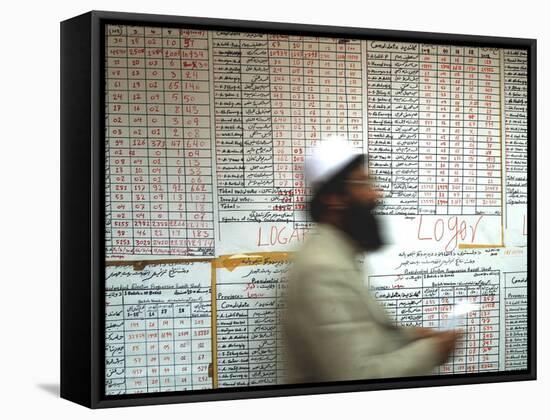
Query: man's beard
[(363, 226)]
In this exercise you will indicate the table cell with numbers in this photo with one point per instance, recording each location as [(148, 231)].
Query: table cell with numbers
[(427, 300), (159, 154), (158, 344), (489, 150), (427, 129), (434, 136)]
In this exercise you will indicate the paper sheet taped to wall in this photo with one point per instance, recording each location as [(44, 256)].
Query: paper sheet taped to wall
[(205, 140)]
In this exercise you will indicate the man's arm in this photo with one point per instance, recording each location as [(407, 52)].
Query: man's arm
[(350, 343)]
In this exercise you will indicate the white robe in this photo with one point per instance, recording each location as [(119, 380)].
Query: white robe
[(334, 328)]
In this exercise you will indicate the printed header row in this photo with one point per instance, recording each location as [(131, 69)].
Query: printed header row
[(156, 32)]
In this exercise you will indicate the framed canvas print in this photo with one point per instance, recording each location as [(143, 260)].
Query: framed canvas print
[(192, 267)]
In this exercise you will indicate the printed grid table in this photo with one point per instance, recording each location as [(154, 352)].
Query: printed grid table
[(276, 98), (433, 123), (159, 196), (158, 333), (434, 128), (427, 300)]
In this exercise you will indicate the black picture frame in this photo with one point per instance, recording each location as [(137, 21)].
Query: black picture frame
[(82, 210)]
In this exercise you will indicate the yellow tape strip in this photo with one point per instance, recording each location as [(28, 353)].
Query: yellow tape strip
[(470, 246), (231, 262), (141, 264), (214, 326)]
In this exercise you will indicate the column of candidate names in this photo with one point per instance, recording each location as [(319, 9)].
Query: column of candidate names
[(434, 147), (250, 305), (515, 105)]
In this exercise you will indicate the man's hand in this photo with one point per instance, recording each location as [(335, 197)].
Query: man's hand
[(445, 340), (446, 343), (421, 332)]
